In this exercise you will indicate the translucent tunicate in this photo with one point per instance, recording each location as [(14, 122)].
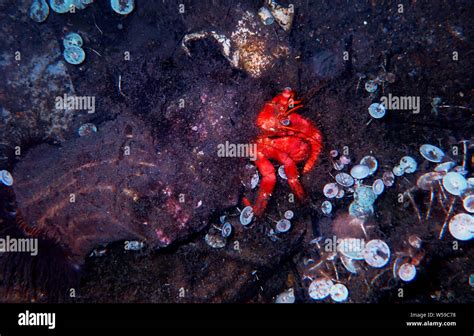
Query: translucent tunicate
[(364, 196), (360, 212), (428, 180), (250, 177), (283, 225), (61, 6), (388, 178), (377, 110), (74, 55), (470, 182), (340, 193), (330, 190), (407, 272), (371, 86), (461, 170), (254, 181), (431, 153), (87, 129), (454, 183), (288, 214), (408, 164), (468, 203), (326, 207), (378, 187), (344, 179), (445, 167), (320, 288), (339, 293), (226, 230), (376, 253), (287, 296), (6, 178), (246, 215), (334, 153), (370, 162), (461, 226), (72, 40), (122, 7), (398, 171), (360, 171), (345, 160), (39, 10)]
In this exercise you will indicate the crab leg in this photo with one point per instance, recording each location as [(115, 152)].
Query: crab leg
[(266, 169), (315, 150), (292, 174), (308, 132)]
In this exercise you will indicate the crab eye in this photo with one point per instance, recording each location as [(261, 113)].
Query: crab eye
[(285, 122)]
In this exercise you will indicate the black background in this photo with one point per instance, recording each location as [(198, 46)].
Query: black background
[(318, 317)]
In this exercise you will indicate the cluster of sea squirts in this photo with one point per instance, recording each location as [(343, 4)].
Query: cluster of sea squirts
[(39, 9)]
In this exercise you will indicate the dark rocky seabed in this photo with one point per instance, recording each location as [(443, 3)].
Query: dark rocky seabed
[(416, 46)]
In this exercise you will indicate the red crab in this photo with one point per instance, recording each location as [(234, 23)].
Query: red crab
[(287, 138)]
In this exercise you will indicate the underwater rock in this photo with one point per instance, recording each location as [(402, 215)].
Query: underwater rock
[(230, 274), (33, 75), (114, 185)]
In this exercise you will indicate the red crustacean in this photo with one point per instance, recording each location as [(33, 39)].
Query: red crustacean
[(287, 138)]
